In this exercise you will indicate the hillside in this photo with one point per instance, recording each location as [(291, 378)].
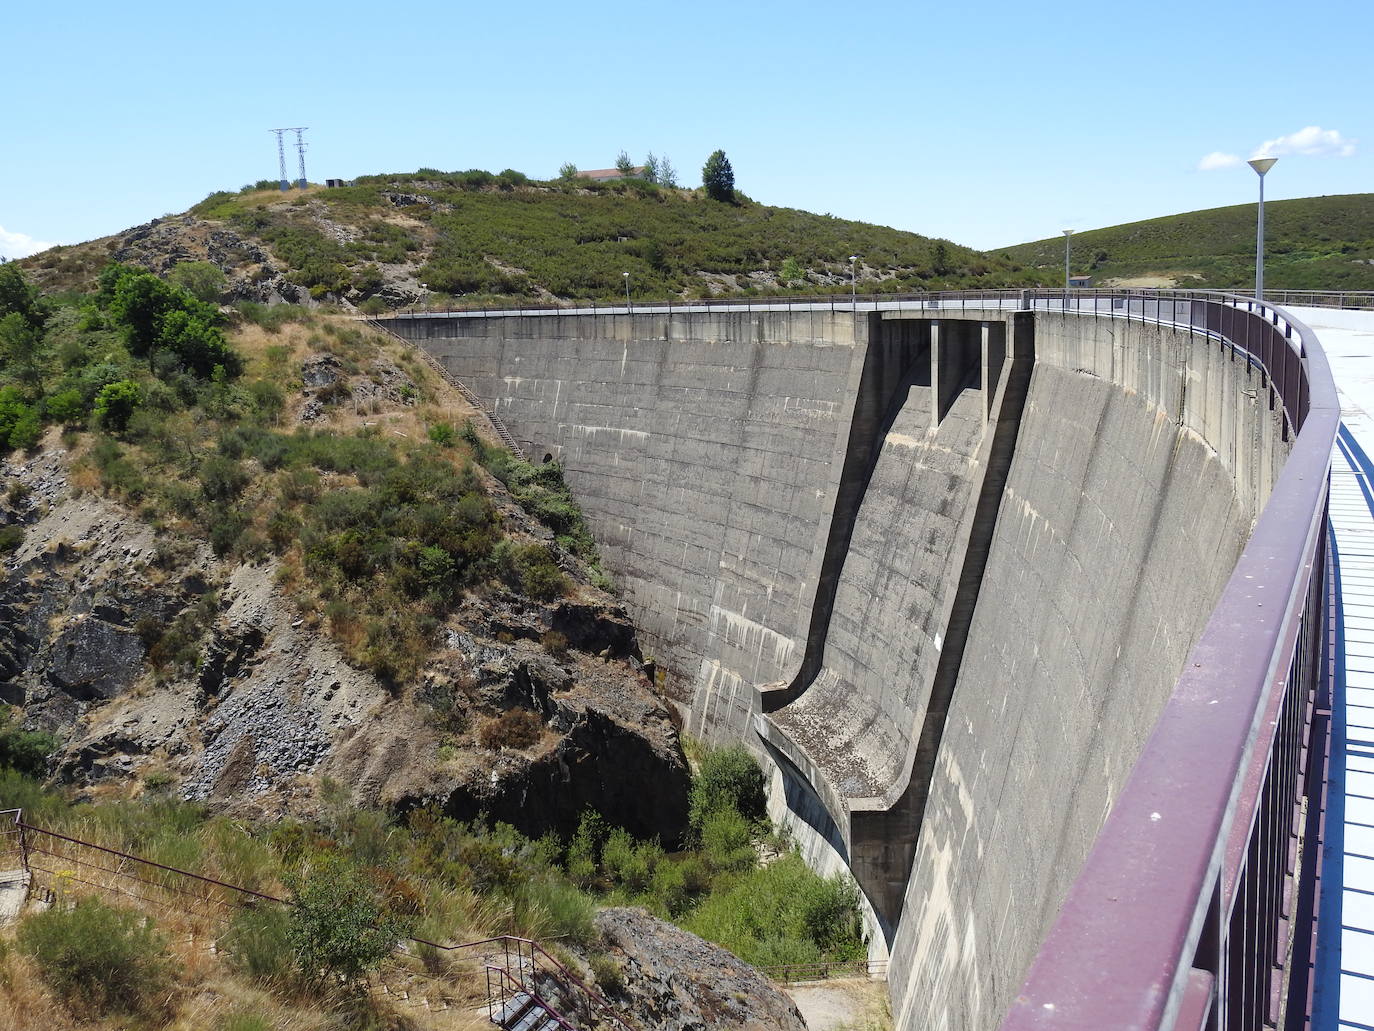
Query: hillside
[(473, 237), (279, 610), (1315, 243)]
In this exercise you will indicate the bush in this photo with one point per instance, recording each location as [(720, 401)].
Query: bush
[(339, 926), (610, 976), (10, 538), (258, 944), (25, 751), (729, 778), (67, 407), (518, 728), (557, 909), (116, 403), (442, 434), (727, 839), (97, 957)]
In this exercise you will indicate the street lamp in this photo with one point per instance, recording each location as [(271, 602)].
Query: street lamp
[(1068, 249), (854, 281), (627, 290), (1260, 165)]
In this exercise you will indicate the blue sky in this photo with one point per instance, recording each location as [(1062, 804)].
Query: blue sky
[(988, 122)]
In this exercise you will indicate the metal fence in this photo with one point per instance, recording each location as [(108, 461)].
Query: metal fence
[(1195, 902), (65, 867), (1194, 908)]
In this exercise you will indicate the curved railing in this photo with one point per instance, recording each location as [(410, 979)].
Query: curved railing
[(1193, 909), (1194, 906)]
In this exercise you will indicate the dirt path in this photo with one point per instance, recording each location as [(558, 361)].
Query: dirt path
[(843, 1005)]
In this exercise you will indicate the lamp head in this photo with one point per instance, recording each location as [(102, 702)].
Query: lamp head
[(853, 257), (1068, 232), (1261, 165)]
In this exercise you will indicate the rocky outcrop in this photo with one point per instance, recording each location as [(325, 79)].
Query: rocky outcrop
[(674, 981), (144, 652)]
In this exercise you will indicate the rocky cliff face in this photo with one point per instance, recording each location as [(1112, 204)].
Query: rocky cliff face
[(675, 981), (157, 663)]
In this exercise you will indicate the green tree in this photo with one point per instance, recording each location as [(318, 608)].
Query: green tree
[(729, 779), (21, 349), (718, 177), (24, 750), (116, 403), (202, 280), (651, 168), (567, 171), (939, 258), (791, 271), (18, 296), (667, 174), (340, 926), (623, 164)]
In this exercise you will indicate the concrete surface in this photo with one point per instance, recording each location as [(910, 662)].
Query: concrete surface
[(787, 537)]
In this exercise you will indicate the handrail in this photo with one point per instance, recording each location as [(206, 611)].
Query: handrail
[(503, 975), (595, 998), (1360, 299), (1194, 855)]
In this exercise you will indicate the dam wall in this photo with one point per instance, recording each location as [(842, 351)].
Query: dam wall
[(706, 450), (805, 507), (1144, 456)]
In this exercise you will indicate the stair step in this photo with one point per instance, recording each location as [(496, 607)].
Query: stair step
[(535, 1017), (513, 1007)]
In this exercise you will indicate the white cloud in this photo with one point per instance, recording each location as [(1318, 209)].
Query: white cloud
[(1313, 141), (20, 245), (1216, 160)]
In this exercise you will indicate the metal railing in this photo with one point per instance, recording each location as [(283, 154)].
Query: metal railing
[(1187, 911), (839, 302), (824, 970), (62, 865)]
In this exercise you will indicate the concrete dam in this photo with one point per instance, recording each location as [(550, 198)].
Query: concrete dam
[(940, 568)]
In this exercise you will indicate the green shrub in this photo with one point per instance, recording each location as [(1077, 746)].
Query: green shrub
[(442, 434), (67, 407), (340, 926), (11, 537), (25, 751), (116, 403), (609, 974), (558, 909), (259, 945), (729, 778), (727, 840), (629, 863), (584, 851), (97, 957)]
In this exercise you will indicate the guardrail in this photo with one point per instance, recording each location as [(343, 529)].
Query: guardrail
[(65, 862), (1358, 299), (1187, 913)]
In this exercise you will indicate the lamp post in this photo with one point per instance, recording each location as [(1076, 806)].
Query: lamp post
[(1260, 165), (1068, 249), (854, 281), (627, 291)]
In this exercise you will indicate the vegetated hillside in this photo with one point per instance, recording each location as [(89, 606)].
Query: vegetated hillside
[(278, 610), (473, 238), (1315, 243)]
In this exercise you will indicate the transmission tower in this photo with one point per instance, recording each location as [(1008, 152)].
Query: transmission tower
[(300, 149), (281, 154)]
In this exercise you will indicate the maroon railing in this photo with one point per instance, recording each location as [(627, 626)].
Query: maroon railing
[(1188, 908), (64, 859), (1187, 911)]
